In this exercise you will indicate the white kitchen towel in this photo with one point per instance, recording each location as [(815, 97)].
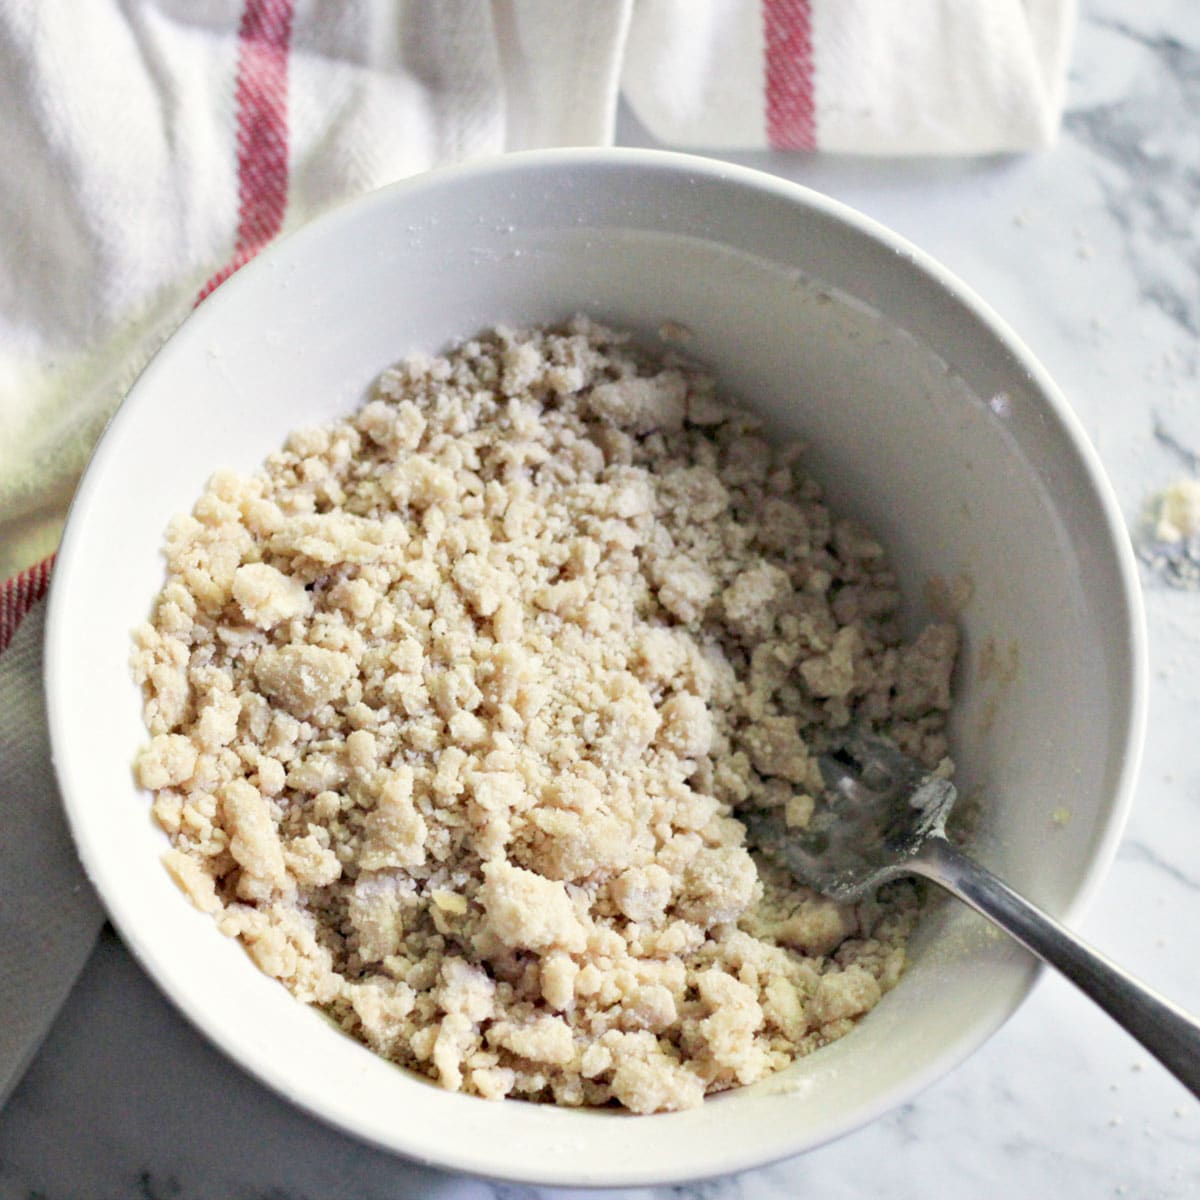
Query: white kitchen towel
[(850, 76), (48, 913), (151, 147)]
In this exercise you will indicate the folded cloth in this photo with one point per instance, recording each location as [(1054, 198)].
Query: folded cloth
[(851, 76), (153, 146)]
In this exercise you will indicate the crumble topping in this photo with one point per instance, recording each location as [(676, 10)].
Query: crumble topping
[(453, 705)]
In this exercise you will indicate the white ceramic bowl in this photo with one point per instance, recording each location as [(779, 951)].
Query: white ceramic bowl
[(928, 419)]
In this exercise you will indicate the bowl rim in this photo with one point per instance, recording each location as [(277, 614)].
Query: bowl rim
[(57, 674)]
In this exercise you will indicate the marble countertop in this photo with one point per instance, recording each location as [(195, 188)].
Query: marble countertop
[(1091, 252)]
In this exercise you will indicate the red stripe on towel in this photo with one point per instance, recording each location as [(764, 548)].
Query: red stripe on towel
[(262, 130), (19, 594), (791, 107)]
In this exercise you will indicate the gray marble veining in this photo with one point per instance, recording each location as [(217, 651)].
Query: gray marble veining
[(1152, 188)]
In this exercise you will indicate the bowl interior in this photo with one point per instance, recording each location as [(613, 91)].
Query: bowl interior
[(926, 420)]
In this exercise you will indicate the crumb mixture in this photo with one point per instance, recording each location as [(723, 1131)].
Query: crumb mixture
[(453, 705)]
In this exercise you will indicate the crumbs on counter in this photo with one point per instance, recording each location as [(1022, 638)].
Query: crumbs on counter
[(1168, 537)]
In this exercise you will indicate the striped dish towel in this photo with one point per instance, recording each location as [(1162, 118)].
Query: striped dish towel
[(154, 146)]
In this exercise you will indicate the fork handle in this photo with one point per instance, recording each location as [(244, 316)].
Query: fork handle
[(1163, 1028)]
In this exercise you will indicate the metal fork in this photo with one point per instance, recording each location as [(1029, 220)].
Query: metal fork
[(884, 816)]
